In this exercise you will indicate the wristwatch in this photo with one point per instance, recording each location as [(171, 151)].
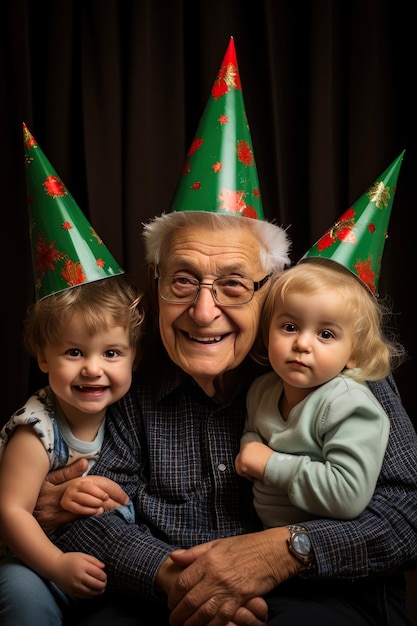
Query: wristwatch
[(299, 545)]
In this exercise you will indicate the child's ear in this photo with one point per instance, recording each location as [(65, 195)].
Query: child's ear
[(42, 363), (351, 364)]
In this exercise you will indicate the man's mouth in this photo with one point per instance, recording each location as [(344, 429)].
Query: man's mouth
[(206, 340)]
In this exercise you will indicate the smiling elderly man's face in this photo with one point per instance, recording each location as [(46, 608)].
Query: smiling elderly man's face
[(207, 339)]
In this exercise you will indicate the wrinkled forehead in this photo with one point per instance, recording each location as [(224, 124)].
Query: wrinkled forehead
[(214, 251)]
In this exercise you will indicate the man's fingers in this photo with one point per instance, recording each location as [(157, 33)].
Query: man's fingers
[(64, 474), (258, 607), (254, 613)]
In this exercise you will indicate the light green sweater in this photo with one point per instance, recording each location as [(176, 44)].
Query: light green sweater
[(328, 453)]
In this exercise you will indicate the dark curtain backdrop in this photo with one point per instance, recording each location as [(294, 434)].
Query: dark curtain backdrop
[(113, 92)]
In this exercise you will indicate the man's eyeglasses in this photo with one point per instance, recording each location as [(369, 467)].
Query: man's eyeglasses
[(227, 291)]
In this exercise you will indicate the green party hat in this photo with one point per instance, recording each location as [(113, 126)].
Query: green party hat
[(356, 241), (66, 250), (220, 173)]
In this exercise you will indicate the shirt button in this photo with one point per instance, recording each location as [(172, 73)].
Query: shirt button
[(221, 467)]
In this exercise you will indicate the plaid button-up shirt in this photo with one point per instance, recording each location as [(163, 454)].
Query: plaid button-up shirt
[(172, 449)]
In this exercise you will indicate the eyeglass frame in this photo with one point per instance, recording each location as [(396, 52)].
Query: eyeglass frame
[(256, 286)]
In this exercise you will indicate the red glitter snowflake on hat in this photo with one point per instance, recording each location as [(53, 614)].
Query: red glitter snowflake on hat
[(244, 153), (46, 255), (366, 274), (54, 187)]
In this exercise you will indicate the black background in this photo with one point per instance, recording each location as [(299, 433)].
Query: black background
[(113, 92)]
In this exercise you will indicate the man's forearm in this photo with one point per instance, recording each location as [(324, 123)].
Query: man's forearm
[(131, 554)]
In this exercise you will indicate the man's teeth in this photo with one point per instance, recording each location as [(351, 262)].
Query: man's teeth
[(206, 339)]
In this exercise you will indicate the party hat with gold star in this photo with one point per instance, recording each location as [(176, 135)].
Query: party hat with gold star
[(220, 174), (66, 250), (357, 240)]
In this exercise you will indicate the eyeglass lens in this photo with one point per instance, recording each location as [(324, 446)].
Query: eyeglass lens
[(229, 290)]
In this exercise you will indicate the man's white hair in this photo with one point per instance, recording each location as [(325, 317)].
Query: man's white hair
[(274, 243)]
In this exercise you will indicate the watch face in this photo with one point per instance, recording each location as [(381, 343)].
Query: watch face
[(301, 543)]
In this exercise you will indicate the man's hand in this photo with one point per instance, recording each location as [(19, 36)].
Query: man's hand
[(49, 512), (253, 613), (222, 577)]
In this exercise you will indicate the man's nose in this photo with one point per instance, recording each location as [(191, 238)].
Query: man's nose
[(205, 308)]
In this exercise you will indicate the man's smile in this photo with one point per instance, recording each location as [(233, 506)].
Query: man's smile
[(206, 340)]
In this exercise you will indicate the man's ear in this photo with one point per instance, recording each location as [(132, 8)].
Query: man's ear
[(152, 289), (152, 313), (152, 283)]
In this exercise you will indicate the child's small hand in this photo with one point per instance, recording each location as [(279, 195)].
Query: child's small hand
[(48, 510), (252, 459), (79, 575), (83, 497), (92, 495)]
